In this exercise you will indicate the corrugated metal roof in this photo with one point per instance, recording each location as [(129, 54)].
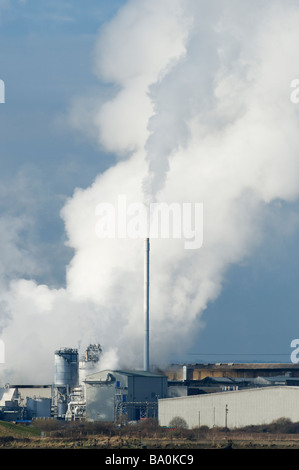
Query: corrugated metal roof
[(256, 390), (276, 378), (224, 380), (131, 373), (6, 394), (140, 373), (237, 365)]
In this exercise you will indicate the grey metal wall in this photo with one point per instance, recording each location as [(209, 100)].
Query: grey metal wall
[(146, 388), (234, 409), (39, 407)]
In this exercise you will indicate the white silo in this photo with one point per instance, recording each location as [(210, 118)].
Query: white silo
[(66, 365), (66, 376)]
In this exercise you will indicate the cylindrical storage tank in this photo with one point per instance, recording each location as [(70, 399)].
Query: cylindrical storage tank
[(66, 365)]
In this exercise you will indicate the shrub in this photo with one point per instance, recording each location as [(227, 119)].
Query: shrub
[(281, 425), (178, 423), (48, 424)]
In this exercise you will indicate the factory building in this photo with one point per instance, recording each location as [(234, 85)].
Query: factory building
[(25, 402), (35, 400), (82, 390), (177, 372), (9, 406), (116, 395), (177, 388), (232, 409)]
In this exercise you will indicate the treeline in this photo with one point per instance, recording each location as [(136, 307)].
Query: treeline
[(150, 428)]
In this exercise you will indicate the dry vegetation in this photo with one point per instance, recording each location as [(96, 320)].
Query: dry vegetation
[(53, 434)]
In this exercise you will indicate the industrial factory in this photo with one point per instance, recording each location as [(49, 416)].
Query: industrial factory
[(201, 394), (81, 391), (229, 395)]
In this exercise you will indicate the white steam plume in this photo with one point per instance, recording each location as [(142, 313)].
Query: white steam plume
[(201, 114)]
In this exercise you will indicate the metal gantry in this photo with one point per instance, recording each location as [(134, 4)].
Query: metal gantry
[(148, 409)]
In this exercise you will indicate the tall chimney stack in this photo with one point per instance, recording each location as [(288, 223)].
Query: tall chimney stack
[(146, 303)]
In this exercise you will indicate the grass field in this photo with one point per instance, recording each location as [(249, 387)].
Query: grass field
[(52, 434)]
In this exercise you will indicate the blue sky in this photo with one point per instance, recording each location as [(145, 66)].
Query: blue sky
[(47, 61)]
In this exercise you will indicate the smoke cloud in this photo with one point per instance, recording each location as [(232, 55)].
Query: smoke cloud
[(198, 110)]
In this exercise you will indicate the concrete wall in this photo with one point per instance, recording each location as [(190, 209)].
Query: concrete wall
[(245, 407), (34, 391)]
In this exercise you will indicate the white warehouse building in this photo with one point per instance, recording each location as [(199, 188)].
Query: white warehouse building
[(233, 409)]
